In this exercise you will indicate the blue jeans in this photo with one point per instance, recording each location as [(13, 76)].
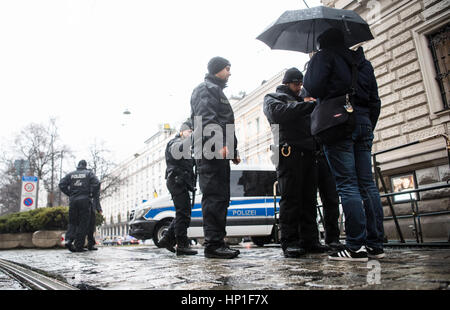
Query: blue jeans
[(350, 162)]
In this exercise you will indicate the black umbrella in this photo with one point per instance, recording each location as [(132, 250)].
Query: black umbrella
[(298, 30)]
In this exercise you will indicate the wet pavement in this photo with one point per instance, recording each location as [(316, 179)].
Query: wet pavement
[(146, 267)]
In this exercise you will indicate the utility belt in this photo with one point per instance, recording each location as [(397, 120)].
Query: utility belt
[(181, 178), (287, 150)]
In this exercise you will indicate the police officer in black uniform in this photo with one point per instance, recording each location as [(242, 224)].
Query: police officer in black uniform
[(296, 169), (79, 185), (95, 207), (180, 180), (215, 144)]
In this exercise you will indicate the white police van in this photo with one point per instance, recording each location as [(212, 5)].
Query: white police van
[(253, 209)]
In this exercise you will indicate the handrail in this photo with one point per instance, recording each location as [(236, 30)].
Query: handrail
[(416, 190)]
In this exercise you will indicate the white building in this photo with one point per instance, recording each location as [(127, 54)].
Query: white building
[(252, 127), (143, 177)]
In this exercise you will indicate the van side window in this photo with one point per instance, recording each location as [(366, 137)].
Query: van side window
[(252, 183)]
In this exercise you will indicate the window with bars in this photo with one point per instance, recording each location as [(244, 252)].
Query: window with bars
[(439, 44)]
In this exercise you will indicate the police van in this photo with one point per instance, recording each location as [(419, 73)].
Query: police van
[(253, 210)]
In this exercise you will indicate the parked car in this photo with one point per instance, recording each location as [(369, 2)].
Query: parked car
[(130, 240)]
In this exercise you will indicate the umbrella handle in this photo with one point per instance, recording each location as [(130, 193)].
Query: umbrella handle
[(345, 23)]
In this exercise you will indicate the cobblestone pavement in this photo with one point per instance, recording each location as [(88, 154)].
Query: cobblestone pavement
[(148, 267)]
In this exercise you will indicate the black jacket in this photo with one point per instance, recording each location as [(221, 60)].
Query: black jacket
[(178, 159), (80, 184), (329, 75), (292, 115), (209, 102)]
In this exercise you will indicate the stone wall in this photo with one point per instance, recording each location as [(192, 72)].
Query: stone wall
[(406, 115)]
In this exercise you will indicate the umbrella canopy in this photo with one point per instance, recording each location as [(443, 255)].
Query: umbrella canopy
[(298, 30)]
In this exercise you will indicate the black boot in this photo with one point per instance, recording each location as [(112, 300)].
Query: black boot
[(220, 252), (293, 251), (167, 242), (184, 248), (69, 245)]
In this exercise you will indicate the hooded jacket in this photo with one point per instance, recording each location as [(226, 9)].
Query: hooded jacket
[(293, 116), (329, 75), (209, 102)]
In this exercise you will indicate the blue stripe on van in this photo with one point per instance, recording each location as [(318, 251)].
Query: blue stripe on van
[(197, 211)]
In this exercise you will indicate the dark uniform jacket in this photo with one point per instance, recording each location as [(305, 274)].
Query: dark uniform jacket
[(182, 164), (292, 115), (329, 75), (79, 184), (209, 102)]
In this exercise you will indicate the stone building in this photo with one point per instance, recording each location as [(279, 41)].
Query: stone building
[(411, 58)]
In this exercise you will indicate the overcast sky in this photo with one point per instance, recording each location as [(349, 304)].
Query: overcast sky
[(86, 62)]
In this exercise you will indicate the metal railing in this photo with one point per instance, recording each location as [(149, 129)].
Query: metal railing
[(414, 205)]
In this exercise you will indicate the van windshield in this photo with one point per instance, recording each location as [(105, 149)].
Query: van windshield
[(252, 183)]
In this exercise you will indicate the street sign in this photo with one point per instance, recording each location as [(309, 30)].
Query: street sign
[(29, 187), (29, 193), (28, 201)]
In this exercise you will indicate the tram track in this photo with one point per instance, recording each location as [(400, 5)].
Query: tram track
[(33, 279)]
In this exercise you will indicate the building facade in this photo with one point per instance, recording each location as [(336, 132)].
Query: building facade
[(143, 178), (253, 131)]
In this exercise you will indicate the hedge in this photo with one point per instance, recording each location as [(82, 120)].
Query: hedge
[(52, 218)]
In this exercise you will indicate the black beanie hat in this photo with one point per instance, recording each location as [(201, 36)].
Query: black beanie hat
[(82, 164), (216, 64), (292, 75)]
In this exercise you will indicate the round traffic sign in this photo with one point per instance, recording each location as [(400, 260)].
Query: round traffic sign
[(29, 187), (28, 202)]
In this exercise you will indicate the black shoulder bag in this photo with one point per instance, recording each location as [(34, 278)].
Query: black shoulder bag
[(333, 119)]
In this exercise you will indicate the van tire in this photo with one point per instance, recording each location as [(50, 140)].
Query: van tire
[(162, 226), (261, 240)]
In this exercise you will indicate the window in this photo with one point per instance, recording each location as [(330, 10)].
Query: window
[(430, 30), (439, 44), (252, 183)]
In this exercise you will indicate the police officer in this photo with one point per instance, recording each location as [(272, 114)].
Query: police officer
[(296, 169), (215, 144), (180, 180), (78, 185), (95, 207)]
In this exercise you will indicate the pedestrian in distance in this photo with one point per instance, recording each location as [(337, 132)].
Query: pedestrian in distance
[(329, 75), (215, 144), (180, 180), (79, 185), (296, 168)]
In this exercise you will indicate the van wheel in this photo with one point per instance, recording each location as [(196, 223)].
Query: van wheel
[(260, 241), (160, 228)]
